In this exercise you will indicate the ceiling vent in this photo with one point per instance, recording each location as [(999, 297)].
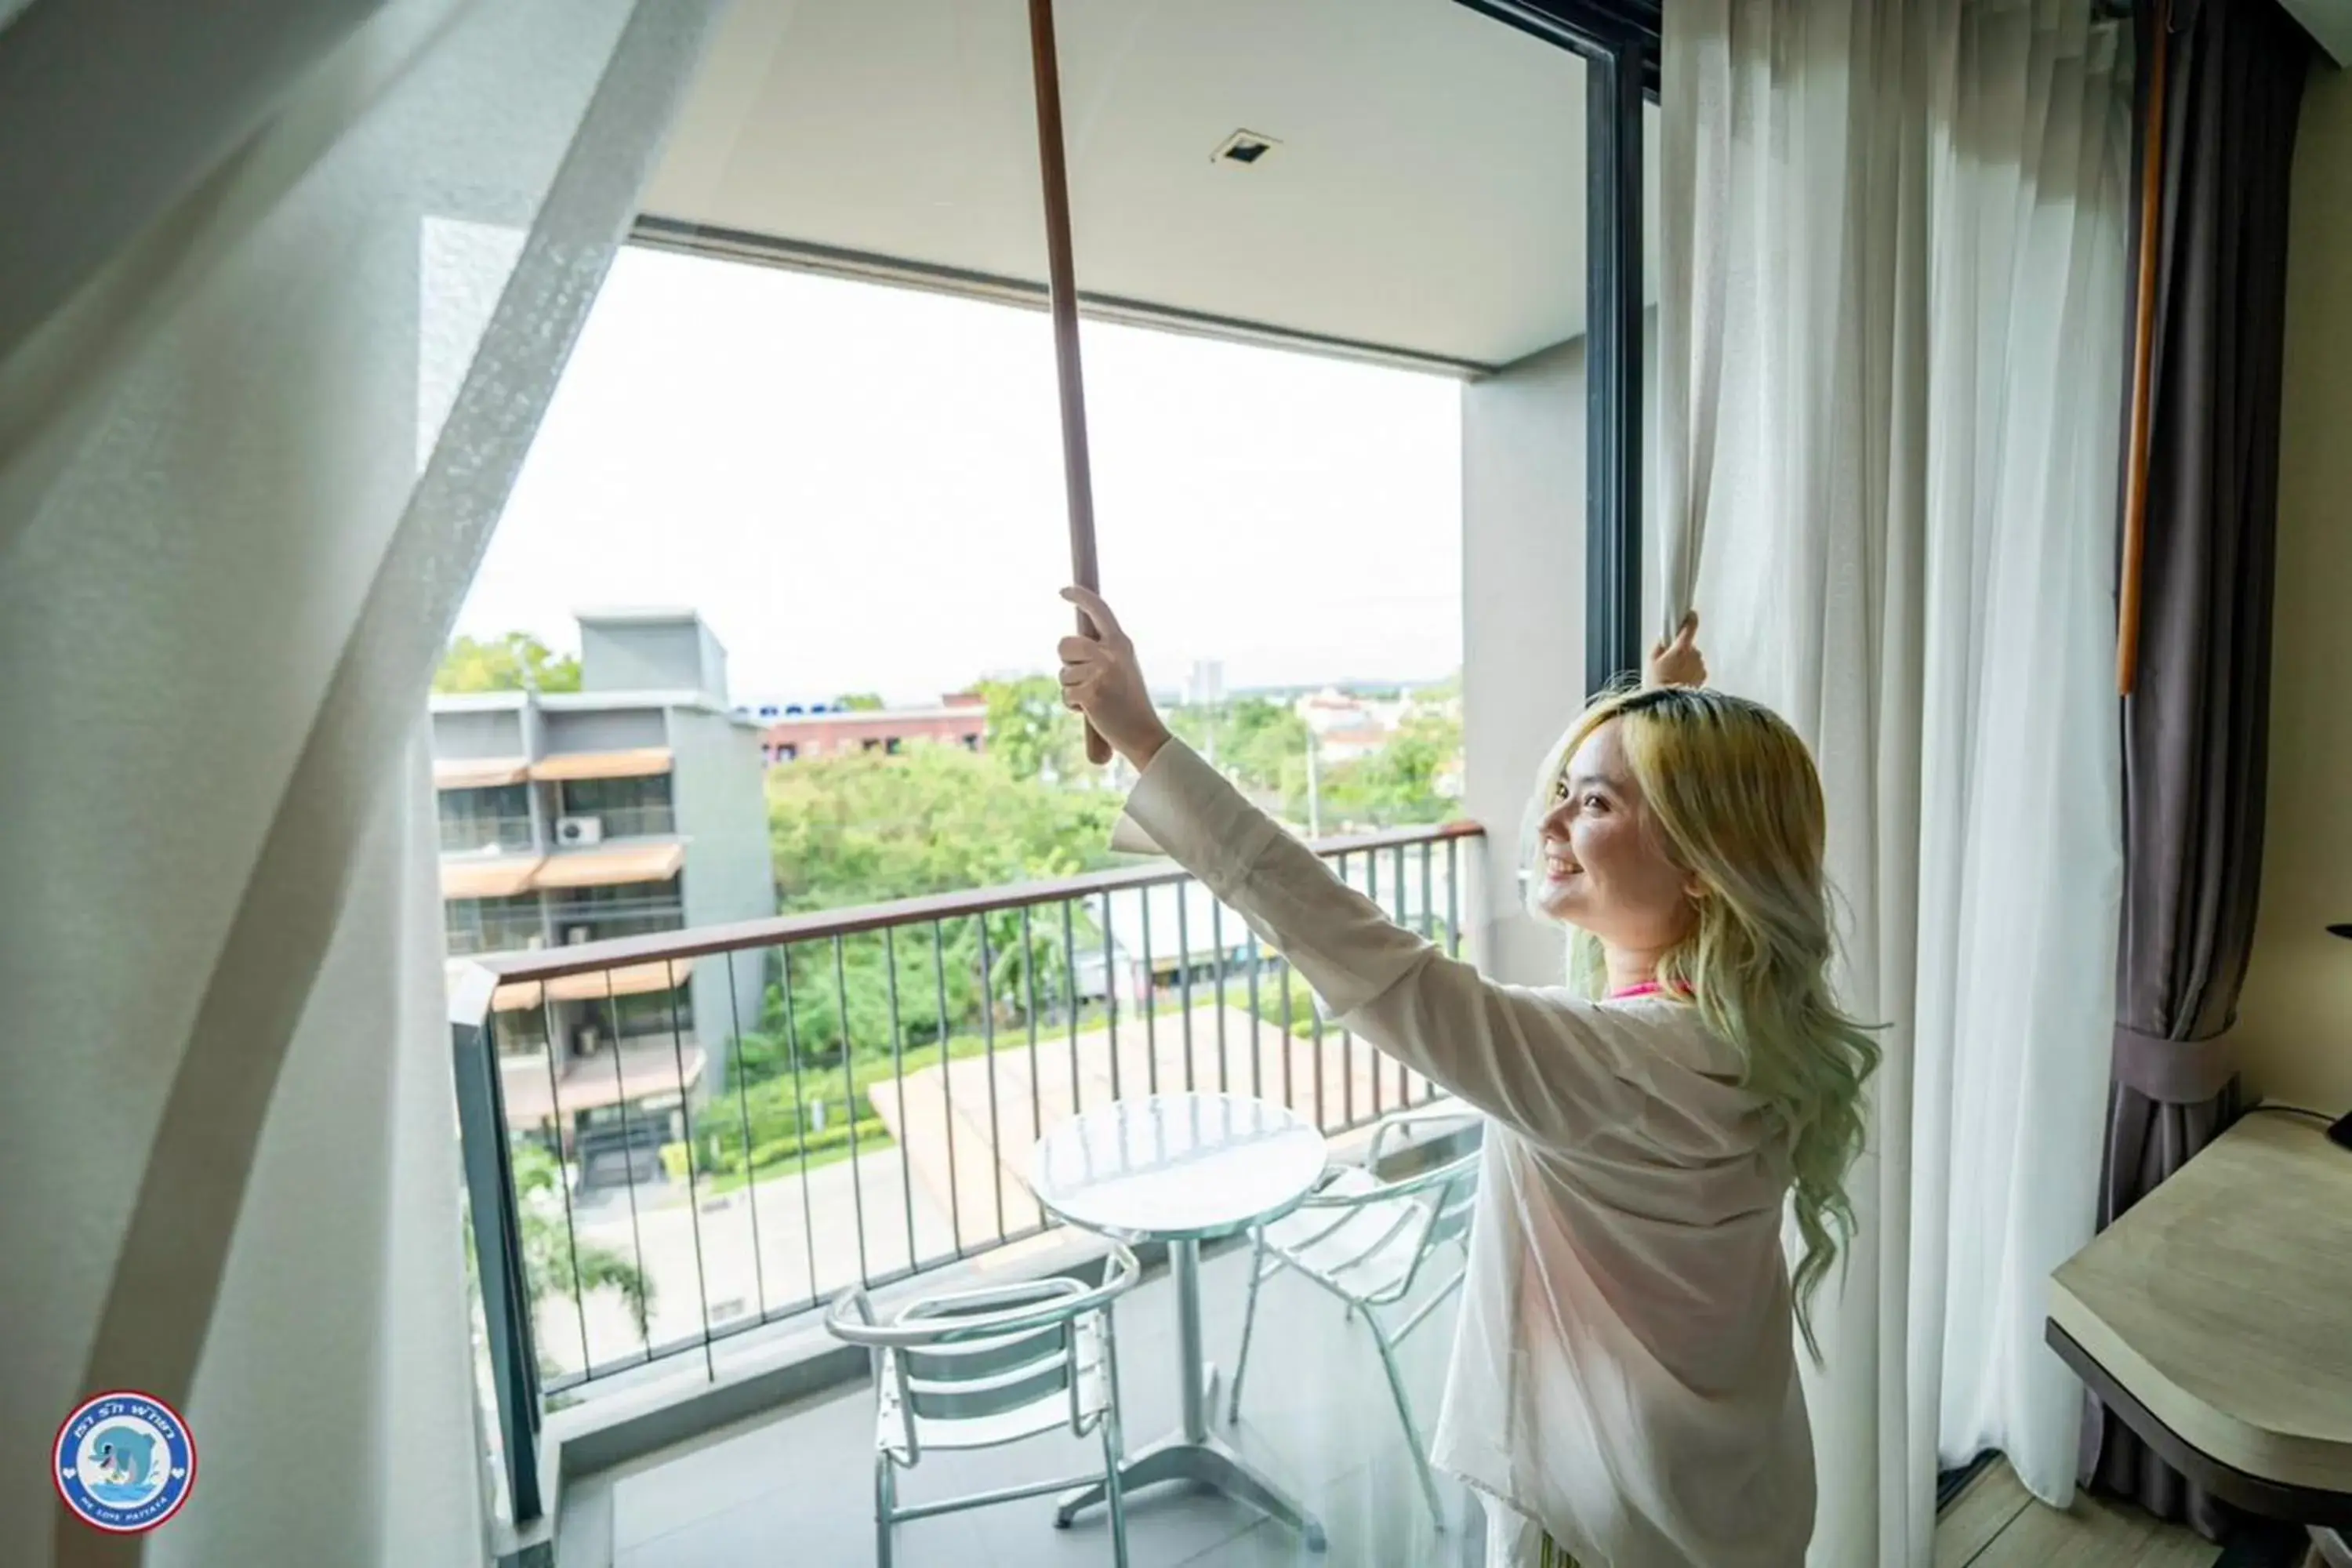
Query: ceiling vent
[(1244, 147)]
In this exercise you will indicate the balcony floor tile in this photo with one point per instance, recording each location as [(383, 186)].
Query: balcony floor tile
[(799, 1488)]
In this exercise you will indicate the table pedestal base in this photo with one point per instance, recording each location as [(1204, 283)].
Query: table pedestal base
[(1192, 1454), (1207, 1463)]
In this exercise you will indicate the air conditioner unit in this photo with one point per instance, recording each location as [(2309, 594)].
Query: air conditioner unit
[(576, 830)]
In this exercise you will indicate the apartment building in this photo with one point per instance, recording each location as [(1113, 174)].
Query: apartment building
[(631, 807)]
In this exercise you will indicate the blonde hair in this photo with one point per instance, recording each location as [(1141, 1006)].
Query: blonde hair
[(1734, 794)]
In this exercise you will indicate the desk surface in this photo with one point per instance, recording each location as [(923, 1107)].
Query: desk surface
[(2222, 1303)]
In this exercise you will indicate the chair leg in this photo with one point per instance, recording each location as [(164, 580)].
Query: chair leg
[(1404, 1414), (1249, 1323), (1114, 1494), (885, 1506)]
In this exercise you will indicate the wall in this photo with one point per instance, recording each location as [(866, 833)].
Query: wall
[(479, 736), (1522, 436), (719, 781), (605, 730), (651, 655), (1523, 548), (2295, 1018)]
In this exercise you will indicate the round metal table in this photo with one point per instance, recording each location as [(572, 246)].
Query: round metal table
[(1182, 1169)]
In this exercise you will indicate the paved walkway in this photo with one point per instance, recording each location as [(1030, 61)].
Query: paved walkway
[(970, 1126)]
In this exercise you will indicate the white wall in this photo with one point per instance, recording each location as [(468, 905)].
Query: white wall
[(1523, 449), (720, 783)]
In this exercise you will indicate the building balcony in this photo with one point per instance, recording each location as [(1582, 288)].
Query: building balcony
[(486, 835), (799, 1105)]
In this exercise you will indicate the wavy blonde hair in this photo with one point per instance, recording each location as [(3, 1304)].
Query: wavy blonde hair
[(1735, 797)]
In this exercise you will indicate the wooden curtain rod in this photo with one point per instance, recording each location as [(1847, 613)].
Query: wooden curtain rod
[(1077, 471), (2151, 227)]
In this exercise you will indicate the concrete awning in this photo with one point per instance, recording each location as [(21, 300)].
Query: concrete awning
[(477, 772), (605, 867), (626, 980), (647, 1068), (640, 762), (629, 980), (501, 877), (516, 996)]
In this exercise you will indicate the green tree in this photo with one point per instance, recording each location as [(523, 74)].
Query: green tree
[(1031, 730), (866, 827), (508, 663), (859, 702), (552, 1261), (1396, 785)]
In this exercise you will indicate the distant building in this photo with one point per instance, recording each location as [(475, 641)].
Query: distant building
[(632, 806), (1163, 932), (794, 730), (1347, 729), (1206, 686)]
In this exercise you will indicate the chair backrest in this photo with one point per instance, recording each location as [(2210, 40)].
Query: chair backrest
[(969, 1355), (1422, 1210), (1453, 1200), (1447, 1197)]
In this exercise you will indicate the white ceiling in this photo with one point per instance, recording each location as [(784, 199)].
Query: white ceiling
[(1428, 194)]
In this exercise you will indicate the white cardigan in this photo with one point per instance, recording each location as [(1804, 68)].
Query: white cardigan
[(1624, 1367)]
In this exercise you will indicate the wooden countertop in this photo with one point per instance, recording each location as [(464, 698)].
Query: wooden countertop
[(2222, 1303)]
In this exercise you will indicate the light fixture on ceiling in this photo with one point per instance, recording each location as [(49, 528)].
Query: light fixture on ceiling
[(1244, 147)]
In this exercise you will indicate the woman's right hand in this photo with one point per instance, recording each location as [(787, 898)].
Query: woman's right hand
[(1101, 679), (1677, 662)]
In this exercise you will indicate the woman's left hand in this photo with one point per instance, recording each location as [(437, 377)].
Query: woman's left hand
[(1101, 679), (1678, 662)]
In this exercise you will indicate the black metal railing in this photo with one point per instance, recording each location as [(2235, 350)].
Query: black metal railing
[(775, 1110)]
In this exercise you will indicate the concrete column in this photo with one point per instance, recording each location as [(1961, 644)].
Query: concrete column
[(1522, 627)]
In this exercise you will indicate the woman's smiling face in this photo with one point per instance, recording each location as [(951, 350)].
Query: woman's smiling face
[(1605, 866)]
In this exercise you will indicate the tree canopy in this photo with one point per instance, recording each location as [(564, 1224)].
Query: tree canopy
[(501, 664), (1031, 732)]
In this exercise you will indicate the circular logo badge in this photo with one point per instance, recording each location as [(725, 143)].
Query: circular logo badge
[(125, 1462)]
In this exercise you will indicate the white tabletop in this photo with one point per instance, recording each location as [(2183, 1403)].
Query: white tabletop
[(1174, 1167)]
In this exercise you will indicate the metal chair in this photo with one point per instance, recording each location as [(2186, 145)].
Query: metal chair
[(1367, 1241), (978, 1369)]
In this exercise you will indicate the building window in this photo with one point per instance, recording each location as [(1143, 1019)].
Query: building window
[(620, 909), (628, 808), (494, 925), (497, 819), (891, 745), (869, 745)]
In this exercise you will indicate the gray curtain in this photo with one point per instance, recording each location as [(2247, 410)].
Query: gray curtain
[(2195, 732)]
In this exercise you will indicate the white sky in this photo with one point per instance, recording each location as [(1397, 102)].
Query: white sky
[(860, 489)]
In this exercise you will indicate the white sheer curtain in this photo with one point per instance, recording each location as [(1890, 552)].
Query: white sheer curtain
[(226, 568), (1892, 321)]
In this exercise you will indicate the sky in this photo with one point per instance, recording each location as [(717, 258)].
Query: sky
[(860, 489)]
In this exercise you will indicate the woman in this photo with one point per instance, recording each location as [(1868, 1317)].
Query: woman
[(1623, 1389)]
